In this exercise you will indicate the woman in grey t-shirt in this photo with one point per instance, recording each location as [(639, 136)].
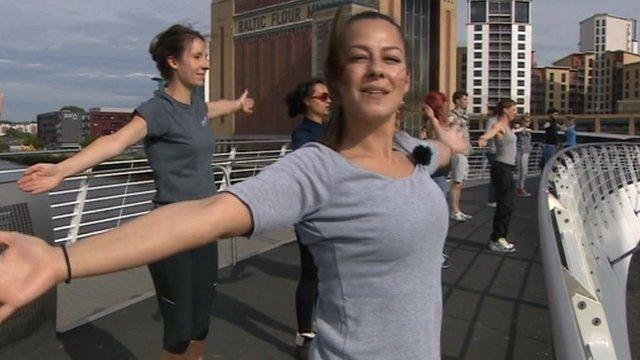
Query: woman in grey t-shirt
[(371, 215), (175, 129)]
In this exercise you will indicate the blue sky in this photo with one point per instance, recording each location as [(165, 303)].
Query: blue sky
[(94, 53)]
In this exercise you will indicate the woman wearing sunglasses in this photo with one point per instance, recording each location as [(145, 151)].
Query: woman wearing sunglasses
[(368, 210), (310, 98)]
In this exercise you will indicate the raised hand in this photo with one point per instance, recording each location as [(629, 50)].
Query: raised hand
[(28, 268), (246, 103), (451, 136), (40, 178)]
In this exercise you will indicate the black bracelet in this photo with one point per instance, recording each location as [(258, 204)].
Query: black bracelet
[(66, 259)]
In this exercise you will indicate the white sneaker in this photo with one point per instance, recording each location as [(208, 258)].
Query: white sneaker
[(466, 216), (492, 204), (459, 216), (502, 245)]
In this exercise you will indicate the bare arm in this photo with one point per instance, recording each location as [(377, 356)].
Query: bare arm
[(224, 107), (29, 267), (44, 177), (496, 130), (449, 141)]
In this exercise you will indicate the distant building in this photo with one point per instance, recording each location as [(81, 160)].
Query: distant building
[(550, 85), (105, 121), (31, 128), (603, 34), (499, 38), (631, 88), (61, 129), (581, 80)]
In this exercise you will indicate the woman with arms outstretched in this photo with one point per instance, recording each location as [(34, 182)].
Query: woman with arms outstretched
[(370, 214), (175, 128)]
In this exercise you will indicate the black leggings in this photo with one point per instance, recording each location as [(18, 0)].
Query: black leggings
[(185, 287), (505, 191), (307, 290)]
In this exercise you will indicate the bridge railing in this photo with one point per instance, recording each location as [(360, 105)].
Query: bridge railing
[(589, 201)]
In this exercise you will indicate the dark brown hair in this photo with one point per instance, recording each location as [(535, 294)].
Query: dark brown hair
[(503, 105), (334, 66), (172, 42), (296, 98)]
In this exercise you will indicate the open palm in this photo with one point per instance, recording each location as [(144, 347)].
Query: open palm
[(40, 178), (27, 270)]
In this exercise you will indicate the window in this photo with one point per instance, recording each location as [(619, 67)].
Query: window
[(521, 37), (551, 76), (477, 28), (520, 101), (598, 31), (521, 56), (521, 65), (522, 46), (603, 30), (477, 91), (477, 55), (564, 78), (477, 64), (550, 104), (563, 96), (520, 73), (550, 87), (477, 82), (597, 22), (477, 46), (562, 104), (478, 11), (520, 92), (477, 37), (522, 12), (521, 28), (477, 110), (520, 110), (520, 82), (477, 101), (477, 73)]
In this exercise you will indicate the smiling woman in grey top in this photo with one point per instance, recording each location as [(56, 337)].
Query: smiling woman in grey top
[(361, 204)]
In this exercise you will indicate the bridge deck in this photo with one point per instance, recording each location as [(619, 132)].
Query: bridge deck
[(494, 305)]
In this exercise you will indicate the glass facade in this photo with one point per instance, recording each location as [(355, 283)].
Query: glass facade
[(478, 11), (416, 22)]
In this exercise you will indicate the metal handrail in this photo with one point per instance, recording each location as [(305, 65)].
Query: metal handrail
[(586, 205)]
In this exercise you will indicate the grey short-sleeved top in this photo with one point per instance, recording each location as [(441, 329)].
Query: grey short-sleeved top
[(179, 146), (377, 243)]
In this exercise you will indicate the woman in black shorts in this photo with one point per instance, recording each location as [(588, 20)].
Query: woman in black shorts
[(175, 128)]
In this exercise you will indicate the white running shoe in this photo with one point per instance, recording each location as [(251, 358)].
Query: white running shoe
[(492, 204), (466, 216), (502, 245), (459, 217)]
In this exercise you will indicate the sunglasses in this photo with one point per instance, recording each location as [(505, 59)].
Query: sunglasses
[(324, 97)]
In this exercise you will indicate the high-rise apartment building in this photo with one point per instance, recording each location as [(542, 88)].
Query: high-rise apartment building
[(498, 54), (600, 34), (580, 81)]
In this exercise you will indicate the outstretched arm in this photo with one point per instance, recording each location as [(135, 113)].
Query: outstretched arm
[(43, 177), (29, 267), (224, 107), (493, 132)]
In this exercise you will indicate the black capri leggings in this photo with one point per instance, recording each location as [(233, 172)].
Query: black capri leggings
[(185, 286), (307, 290)]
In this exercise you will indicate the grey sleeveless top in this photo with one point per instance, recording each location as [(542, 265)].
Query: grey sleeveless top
[(506, 148)]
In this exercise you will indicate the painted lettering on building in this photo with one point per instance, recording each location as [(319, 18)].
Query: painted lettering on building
[(273, 19)]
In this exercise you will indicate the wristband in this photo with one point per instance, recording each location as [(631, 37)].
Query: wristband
[(66, 259)]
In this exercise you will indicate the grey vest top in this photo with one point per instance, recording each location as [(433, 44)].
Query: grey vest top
[(506, 148)]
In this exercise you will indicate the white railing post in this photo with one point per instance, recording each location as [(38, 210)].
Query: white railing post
[(78, 209), (124, 198)]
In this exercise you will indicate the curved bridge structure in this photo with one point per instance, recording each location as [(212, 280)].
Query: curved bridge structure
[(589, 221)]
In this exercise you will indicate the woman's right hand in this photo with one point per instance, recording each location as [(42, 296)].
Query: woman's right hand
[(28, 268), (40, 178)]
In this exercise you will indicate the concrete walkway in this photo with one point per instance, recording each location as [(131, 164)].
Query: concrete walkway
[(494, 305)]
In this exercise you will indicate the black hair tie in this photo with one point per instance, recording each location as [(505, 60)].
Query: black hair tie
[(422, 155)]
